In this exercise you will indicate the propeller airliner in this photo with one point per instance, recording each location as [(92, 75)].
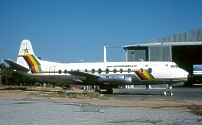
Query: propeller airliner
[(106, 75)]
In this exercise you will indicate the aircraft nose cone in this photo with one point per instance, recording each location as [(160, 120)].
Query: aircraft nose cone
[(186, 75)]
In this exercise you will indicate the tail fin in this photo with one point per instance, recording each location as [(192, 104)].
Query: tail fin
[(27, 58), (26, 48)]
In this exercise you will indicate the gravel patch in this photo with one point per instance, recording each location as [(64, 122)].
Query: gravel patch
[(33, 112)]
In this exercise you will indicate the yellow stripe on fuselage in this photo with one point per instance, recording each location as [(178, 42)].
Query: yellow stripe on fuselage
[(37, 68), (33, 61), (146, 75)]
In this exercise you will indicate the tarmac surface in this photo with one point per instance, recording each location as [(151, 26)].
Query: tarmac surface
[(43, 111), (182, 93)]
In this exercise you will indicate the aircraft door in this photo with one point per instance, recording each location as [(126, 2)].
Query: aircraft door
[(52, 72)]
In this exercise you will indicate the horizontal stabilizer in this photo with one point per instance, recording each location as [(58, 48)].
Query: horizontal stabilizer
[(17, 66)]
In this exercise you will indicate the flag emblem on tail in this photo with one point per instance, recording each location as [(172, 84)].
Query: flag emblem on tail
[(33, 63)]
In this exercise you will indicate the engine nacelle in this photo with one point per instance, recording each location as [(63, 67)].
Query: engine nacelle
[(121, 79)]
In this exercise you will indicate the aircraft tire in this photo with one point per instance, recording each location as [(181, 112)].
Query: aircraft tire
[(168, 93), (109, 91)]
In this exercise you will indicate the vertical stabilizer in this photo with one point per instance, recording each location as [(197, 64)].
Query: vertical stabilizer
[(27, 58), (26, 48)]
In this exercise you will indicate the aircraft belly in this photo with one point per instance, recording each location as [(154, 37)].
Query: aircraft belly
[(136, 80), (53, 78)]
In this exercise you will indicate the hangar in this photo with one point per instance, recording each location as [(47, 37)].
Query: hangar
[(185, 49)]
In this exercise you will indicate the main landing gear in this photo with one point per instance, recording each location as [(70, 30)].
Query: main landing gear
[(169, 92), (109, 91), (106, 89)]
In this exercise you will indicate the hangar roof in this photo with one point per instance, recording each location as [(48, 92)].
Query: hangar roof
[(193, 37), (165, 44)]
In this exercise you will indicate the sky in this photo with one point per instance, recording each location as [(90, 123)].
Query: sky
[(77, 30)]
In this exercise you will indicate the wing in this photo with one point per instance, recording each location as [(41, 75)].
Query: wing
[(84, 76)]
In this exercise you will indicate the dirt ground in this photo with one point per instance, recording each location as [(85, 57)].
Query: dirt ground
[(193, 106)]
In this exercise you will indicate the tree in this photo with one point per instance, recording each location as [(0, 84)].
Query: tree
[(2, 66), (7, 75), (10, 77)]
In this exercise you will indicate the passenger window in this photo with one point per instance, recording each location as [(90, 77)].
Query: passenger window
[(59, 71), (65, 71), (99, 71), (129, 70), (114, 70), (150, 70), (141, 70), (93, 71), (121, 70), (107, 71)]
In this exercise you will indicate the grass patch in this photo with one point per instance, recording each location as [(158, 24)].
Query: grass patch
[(13, 88), (31, 88)]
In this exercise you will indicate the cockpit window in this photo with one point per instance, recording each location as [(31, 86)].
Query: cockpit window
[(174, 66)]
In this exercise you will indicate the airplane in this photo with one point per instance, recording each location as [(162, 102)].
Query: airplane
[(106, 75)]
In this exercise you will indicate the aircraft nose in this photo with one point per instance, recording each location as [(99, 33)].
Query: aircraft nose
[(186, 75)]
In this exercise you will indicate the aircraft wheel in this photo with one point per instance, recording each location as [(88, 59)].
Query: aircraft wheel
[(109, 91), (168, 93)]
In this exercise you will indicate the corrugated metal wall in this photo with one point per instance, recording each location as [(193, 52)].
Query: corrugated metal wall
[(160, 53), (135, 54)]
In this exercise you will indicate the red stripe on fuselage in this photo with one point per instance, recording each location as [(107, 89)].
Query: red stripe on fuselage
[(140, 75), (29, 61)]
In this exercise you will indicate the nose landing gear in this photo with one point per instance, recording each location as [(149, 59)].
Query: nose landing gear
[(169, 92)]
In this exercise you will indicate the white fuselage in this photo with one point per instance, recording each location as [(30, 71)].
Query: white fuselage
[(112, 73), (136, 73)]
